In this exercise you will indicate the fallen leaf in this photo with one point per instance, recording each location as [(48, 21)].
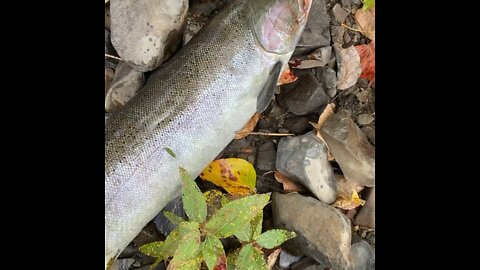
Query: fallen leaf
[(287, 76), (318, 58), (367, 60), (237, 176), (248, 127), (288, 185), (348, 203), (366, 21), (327, 112), (272, 258), (345, 188), (349, 66)]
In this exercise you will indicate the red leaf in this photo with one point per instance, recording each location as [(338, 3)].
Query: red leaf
[(367, 59)]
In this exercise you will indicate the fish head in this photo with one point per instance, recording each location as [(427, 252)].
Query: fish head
[(278, 24)]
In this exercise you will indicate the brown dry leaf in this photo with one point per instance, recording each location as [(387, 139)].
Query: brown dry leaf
[(288, 185), (272, 258), (345, 188), (366, 21), (349, 67), (348, 203), (367, 60), (287, 76), (248, 127), (327, 112)]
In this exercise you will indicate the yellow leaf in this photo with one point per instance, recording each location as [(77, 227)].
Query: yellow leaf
[(237, 176), (348, 203)]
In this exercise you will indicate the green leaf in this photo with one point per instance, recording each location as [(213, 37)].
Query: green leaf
[(213, 253), (249, 258), (236, 214), (193, 200), (368, 4), (153, 249), (193, 263), (232, 258), (170, 152), (251, 230), (189, 233), (214, 201), (273, 238), (174, 219)]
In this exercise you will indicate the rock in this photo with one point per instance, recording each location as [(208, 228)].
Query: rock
[(193, 25), (266, 157), (349, 66), (303, 159), (323, 232), (106, 117), (350, 148), (145, 33), (296, 124), (308, 263), (305, 96), (108, 45), (274, 110), (363, 256), (366, 214), (162, 223), (125, 84), (267, 124), (286, 259), (147, 235), (328, 77), (122, 264), (365, 119), (317, 30), (339, 13), (371, 238), (319, 58), (109, 73), (107, 17), (346, 3), (370, 132)]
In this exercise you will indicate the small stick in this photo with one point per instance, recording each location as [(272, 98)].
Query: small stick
[(357, 30), (270, 134), (114, 57)]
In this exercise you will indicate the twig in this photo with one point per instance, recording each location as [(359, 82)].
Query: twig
[(114, 57), (357, 30), (270, 134)]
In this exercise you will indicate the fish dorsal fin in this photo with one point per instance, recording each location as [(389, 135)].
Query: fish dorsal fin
[(268, 89)]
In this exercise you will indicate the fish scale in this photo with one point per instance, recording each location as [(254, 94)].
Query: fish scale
[(192, 105)]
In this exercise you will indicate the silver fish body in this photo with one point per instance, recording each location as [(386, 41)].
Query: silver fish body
[(192, 105)]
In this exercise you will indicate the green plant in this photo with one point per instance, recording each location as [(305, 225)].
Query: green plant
[(198, 239), (368, 4)]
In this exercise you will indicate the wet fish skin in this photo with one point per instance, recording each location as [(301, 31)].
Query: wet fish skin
[(192, 105)]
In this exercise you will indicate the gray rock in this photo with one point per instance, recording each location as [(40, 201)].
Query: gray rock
[(108, 45), (366, 214), (275, 110), (193, 25), (109, 73), (371, 238), (350, 148), (125, 84), (266, 157), (365, 119), (144, 33), (306, 95), (304, 160), (286, 259), (122, 264), (370, 132), (296, 124), (267, 124), (339, 13), (323, 232), (308, 263), (328, 77), (317, 30), (363, 256), (346, 3)]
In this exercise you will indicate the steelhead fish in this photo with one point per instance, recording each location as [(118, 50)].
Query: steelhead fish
[(193, 105)]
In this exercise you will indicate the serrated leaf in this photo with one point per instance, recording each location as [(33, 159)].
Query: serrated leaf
[(368, 4), (251, 230), (237, 176), (231, 259), (214, 201), (213, 253), (171, 243), (236, 214), (193, 263), (173, 218), (153, 249), (273, 238), (193, 200), (189, 245), (249, 258)]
